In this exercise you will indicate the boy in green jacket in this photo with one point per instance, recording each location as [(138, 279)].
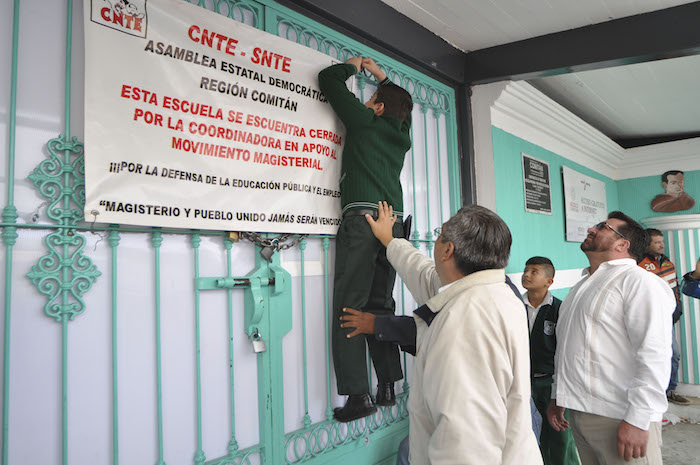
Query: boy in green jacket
[(376, 142), (558, 448)]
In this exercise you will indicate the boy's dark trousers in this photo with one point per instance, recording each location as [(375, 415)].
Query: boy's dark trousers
[(557, 447), (364, 280)]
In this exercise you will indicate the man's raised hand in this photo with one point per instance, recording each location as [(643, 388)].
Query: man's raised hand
[(384, 224)]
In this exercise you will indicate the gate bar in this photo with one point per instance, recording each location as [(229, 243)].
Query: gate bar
[(9, 234)]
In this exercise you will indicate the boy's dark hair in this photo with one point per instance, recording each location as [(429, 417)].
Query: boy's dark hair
[(633, 232), (397, 101), (654, 232), (546, 262), (664, 177)]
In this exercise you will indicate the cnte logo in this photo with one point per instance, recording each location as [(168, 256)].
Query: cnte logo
[(128, 16)]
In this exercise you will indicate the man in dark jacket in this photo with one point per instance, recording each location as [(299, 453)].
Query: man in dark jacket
[(691, 282)]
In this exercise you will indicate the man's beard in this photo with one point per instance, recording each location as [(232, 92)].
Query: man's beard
[(593, 246), (588, 246)]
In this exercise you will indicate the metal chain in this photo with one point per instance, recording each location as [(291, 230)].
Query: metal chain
[(292, 243), (276, 243)]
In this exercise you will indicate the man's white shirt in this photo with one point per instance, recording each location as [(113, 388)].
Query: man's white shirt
[(613, 353)]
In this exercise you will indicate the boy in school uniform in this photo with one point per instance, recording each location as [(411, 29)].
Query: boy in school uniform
[(377, 139), (558, 448)]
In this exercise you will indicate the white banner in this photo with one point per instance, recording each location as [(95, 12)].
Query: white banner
[(585, 203), (193, 120)]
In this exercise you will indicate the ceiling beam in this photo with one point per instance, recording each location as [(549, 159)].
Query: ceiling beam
[(379, 26), (668, 33), (631, 142)]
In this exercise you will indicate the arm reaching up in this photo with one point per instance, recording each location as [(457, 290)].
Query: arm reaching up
[(373, 68)]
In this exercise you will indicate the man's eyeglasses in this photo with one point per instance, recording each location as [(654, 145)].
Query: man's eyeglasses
[(604, 224), (437, 232)]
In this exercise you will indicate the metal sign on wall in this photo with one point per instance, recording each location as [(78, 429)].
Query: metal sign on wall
[(585, 203), (195, 121), (536, 181)]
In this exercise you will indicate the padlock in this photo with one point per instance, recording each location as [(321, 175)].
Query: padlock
[(266, 253), (258, 343)]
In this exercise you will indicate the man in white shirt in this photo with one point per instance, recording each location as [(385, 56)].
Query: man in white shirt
[(470, 391), (612, 362)]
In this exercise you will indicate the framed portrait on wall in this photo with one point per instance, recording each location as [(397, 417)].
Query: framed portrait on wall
[(675, 198)]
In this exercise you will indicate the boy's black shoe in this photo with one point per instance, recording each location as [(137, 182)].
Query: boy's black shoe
[(385, 394), (357, 406)]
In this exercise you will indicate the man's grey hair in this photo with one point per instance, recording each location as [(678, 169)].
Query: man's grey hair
[(481, 238)]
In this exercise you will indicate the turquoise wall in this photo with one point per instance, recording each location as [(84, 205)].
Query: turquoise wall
[(533, 233), (636, 194)]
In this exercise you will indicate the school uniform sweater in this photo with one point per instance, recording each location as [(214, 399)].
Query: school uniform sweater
[(543, 338), (375, 146)]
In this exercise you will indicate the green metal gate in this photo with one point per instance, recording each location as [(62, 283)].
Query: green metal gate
[(80, 270)]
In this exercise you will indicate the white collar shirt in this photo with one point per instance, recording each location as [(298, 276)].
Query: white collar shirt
[(613, 353), (445, 287), (533, 311)]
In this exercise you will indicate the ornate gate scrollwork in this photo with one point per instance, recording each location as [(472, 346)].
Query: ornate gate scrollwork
[(64, 274)]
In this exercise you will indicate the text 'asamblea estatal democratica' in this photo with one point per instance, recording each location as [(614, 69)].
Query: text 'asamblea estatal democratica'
[(224, 44)]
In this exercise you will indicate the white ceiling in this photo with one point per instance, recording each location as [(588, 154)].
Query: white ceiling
[(475, 24), (636, 101), (652, 99)]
